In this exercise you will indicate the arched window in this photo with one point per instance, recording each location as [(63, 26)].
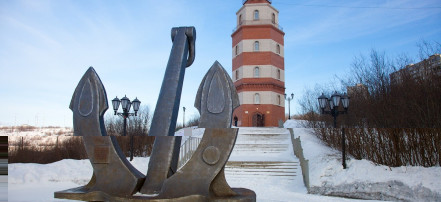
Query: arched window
[(278, 100), (237, 74), (256, 46), (278, 49), (278, 74), (256, 98), (237, 49), (256, 72), (256, 15), (273, 19), (240, 19)]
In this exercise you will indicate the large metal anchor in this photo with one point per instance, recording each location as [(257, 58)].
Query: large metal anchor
[(201, 178), (164, 159)]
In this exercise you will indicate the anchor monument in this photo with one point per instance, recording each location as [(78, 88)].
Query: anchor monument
[(202, 178)]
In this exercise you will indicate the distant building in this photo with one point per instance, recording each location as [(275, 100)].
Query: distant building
[(258, 65), (420, 70), (359, 90)]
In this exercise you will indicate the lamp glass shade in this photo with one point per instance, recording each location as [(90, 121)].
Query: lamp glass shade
[(336, 99), (115, 103), (125, 103), (323, 100), (136, 104), (292, 95), (331, 103), (345, 101), (129, 106)]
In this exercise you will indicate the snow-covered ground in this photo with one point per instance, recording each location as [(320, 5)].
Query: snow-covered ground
[(36, 182), (362, 178), (27, 130)]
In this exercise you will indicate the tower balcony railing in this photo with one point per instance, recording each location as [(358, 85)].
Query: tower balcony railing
[(243, 1), (258, 22)]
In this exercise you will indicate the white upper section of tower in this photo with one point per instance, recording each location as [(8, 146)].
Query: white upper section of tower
[(257, 14)]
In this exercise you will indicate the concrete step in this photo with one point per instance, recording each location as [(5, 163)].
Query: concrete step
[(262, 170), (256, 130), (263, 138), (261, 148), (263, 155)]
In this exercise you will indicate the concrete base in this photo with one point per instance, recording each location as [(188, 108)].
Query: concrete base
[(81, 193)]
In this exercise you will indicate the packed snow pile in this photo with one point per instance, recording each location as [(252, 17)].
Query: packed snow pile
[(362, 178)]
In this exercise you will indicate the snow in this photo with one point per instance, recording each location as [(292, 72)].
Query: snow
[(263, 161), (3, 188), (34, 131), (38, 182), (362, 179)]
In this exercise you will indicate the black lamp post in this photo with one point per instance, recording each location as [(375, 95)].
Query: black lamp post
[(333, 104), (126, 104), (183, 117), (289, 104)]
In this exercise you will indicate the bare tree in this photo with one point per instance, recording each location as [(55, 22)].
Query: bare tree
[(137, 132), (393, 123)]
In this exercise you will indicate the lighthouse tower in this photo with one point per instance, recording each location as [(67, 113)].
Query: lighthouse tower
[(258, 65)]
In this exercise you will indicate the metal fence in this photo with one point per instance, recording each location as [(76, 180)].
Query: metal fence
[(187, 150)]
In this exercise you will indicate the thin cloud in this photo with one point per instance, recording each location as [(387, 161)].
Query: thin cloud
[(347, 23)]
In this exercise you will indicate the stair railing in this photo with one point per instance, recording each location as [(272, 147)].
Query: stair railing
[(187, 149)]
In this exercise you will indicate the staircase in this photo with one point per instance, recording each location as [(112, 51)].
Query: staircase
[(263, 160)]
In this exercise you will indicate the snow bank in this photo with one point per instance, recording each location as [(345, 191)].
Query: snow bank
[(38, 182), (67, 170), (363, 179)]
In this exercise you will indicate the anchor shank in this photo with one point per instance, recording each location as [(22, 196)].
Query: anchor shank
[(167, 106), (164, 159)]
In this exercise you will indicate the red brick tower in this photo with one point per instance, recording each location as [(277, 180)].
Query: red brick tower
[(258, 65)]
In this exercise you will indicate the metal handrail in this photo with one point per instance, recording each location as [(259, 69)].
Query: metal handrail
[(187, 150)]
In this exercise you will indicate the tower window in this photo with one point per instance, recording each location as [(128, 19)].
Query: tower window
[(256, 72), (237, 74), (278, 49), (256, 98), (256, 15), (278, 74), (240, 19), (237, 50), (273, 19), (278, 100), (256, 46)]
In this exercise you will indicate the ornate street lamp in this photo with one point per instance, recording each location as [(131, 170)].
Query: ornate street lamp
[(289, 104), (183, 117), (345, 101), (333, 103), (126, 105)]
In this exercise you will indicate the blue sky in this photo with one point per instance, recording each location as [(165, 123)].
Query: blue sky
[(46, 46)]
